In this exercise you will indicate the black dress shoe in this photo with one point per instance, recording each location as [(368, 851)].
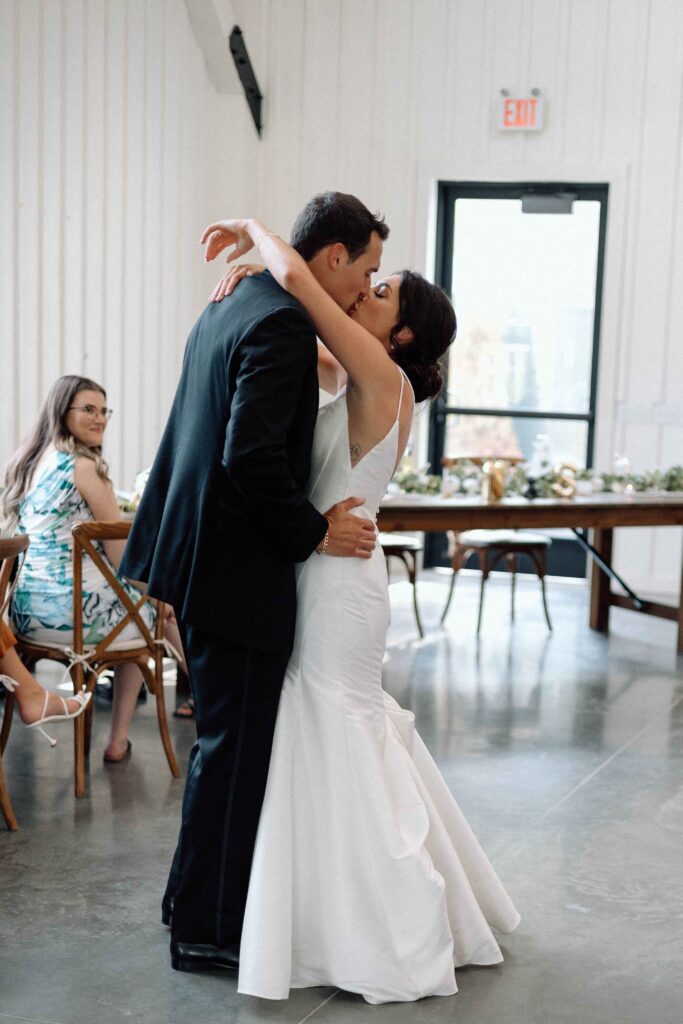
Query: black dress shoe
[(192, 956), (167, 910)]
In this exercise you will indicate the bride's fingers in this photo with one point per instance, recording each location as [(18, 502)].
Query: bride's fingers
[(206, 232), (241, 248), (229, 282), (216, 244), (217, 228), (223, 287), (235, 277), (219, 291)]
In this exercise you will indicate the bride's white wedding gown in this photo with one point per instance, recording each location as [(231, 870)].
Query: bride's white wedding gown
[(366, 876)]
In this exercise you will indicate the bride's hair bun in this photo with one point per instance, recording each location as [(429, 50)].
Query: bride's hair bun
[(428, 312)]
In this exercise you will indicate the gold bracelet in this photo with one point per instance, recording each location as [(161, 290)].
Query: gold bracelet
[(323, 550), (266, 234)]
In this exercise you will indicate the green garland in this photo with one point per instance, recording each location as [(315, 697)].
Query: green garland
[(468, 476)]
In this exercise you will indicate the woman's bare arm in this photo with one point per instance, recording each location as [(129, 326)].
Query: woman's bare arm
[(331, 373), (368, 365), (100, 497)]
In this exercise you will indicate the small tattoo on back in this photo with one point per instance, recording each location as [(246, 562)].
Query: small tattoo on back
[(354, 452)]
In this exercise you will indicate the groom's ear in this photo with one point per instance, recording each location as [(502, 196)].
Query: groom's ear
[(337, 256)]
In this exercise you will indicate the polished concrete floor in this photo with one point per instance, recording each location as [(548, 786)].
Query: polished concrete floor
[(565, 752)]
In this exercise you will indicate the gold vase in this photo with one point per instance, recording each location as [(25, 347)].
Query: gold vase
[(493, 482)]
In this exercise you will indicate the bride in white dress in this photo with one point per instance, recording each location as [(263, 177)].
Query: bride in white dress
[(365, 876)]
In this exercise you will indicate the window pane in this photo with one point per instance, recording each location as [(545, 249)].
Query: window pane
[(513, 436), (524, 290)]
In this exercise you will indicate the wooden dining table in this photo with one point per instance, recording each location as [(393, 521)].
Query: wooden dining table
[(600, 514)]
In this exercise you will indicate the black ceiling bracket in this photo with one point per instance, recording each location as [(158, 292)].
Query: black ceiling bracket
[(246, 74)]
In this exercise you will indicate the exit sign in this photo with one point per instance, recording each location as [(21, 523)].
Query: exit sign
[(521, 113)]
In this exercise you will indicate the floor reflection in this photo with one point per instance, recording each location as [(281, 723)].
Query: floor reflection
[(518, 686)]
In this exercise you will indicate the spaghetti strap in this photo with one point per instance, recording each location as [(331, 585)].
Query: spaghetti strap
[(400, 397)]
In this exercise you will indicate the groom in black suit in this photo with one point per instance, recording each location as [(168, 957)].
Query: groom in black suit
[(222, 522)]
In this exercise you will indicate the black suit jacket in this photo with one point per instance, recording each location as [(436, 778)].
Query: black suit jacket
[(224, 517)]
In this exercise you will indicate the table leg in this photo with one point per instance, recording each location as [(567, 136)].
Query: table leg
[(600, 582)]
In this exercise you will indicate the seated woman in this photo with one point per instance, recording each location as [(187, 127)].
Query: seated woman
[(37, 706), (56, 480)]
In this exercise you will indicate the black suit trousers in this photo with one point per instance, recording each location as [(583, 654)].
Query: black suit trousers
[(236, 691)]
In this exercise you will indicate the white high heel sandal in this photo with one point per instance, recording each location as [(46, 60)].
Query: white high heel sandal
[(82, 698)]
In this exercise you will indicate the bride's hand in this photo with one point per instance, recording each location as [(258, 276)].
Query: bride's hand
[(223, 233), (232, 277)]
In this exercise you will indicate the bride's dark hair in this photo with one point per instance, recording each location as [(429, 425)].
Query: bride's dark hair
[(428, 312)]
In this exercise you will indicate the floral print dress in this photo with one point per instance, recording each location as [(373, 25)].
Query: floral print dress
[(42, 604)]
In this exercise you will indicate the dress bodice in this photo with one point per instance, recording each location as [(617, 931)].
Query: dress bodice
[(333, 478)]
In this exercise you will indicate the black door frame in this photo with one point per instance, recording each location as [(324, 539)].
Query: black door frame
[(448, 193)]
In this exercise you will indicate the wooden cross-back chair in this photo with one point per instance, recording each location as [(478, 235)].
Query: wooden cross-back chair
[(11, 549), (86, 662)]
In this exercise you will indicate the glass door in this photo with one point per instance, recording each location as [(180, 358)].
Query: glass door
[(523, 264)]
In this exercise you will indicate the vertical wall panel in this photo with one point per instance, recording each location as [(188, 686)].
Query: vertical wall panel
[(9, 427), (171, 197), (505, 68), (321, 87), (356, 97), (52, 264), (470, 106), (28, 258), (655, 210), (583, 87), (546, 61), (672, 365), (115, 221), (75, 97), (134, 217), (151, 237), (92, 345), (392, 106)]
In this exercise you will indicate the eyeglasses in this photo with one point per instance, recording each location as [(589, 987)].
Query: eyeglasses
[(91, 411)]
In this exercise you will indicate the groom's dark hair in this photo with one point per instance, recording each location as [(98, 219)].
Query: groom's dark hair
[(335, 217)]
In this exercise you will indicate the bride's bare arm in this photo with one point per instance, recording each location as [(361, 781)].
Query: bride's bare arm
[(331, 373), (363, 357)]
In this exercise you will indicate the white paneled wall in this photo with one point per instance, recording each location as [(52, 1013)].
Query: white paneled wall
[(384, 97), (116, 151), (120, 150)]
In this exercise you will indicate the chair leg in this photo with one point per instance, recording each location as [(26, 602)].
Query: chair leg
[(484, 562), (545, 604), (79, 756), (10, 701), (87, 717), (512, 565), (541, 563), (5, 805), (457, 565), (412, 576), (79, 737), (155, 684)]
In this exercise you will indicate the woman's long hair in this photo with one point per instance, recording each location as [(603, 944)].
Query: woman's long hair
[(50, 428)]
